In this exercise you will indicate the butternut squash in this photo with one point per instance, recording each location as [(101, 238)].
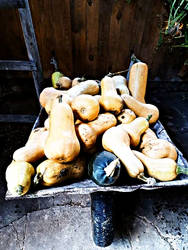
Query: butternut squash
[(89, 87), (164, 169), (117, 141), (141, 109), (34, 147), (51, 173), (121, 84), (49, 94), (77, 80), (159, 148), (148, 135), (64, 83), (61, 81), (126, 116), (110, 100), (138, 81), (135, 129), (62, 143), (18, 176), (88, 132), (85, 107)]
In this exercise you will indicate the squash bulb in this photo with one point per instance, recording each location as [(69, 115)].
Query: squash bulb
[(104, 168)]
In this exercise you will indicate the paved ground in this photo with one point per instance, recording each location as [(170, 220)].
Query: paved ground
[(142, 219)]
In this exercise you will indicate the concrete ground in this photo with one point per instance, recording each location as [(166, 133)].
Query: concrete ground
[(142, 219)]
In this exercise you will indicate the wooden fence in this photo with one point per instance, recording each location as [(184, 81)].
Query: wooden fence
[(93, 37)]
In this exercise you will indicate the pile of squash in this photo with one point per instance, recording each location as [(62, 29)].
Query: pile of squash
[(85, 116)]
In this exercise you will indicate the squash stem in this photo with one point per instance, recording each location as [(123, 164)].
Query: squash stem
[(181, 169), (60, 98), (117, 73), (148, 180), (149, 117), (82, 79), (37, 179), (110, 169), (19, 189)]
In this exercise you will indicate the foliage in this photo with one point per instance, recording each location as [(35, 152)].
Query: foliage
[(177, 26)]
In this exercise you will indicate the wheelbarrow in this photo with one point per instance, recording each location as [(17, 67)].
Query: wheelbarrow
[(101, 197)]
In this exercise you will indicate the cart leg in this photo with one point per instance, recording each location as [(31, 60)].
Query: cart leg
[(102, 221)]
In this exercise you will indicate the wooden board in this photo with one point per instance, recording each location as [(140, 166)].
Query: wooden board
[(93, 37)]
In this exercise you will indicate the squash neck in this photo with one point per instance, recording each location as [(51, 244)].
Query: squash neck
[(148, 180)]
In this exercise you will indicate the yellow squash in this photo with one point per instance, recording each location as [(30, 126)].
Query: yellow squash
[(51, 173), (135, 129), (110, 100), (85, 107), (88, 132), (141, 109), (18, 177), (126, 116), (61, 81), (138, 81), (161, 169), (120, 84), (62, 143), (117, 141), (148, 135), (159, 148), (49, 94), (34, 148)]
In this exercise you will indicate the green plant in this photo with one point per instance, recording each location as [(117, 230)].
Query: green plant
[(176, 26)]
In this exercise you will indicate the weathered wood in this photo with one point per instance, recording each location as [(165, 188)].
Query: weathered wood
[(92, 20), (17, 118), (78, 27), (31, 44), (93, 37), (88, 187), (17, 65), (12, 4), (103, 50)]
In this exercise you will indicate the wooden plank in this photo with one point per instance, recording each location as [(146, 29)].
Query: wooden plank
[(116, 38), (62, 35), (12, 4), (103, 50), (78, 24), (17, 65), (107, 33), (10, 118), (88, 187), (31, 45), (92, 27)]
